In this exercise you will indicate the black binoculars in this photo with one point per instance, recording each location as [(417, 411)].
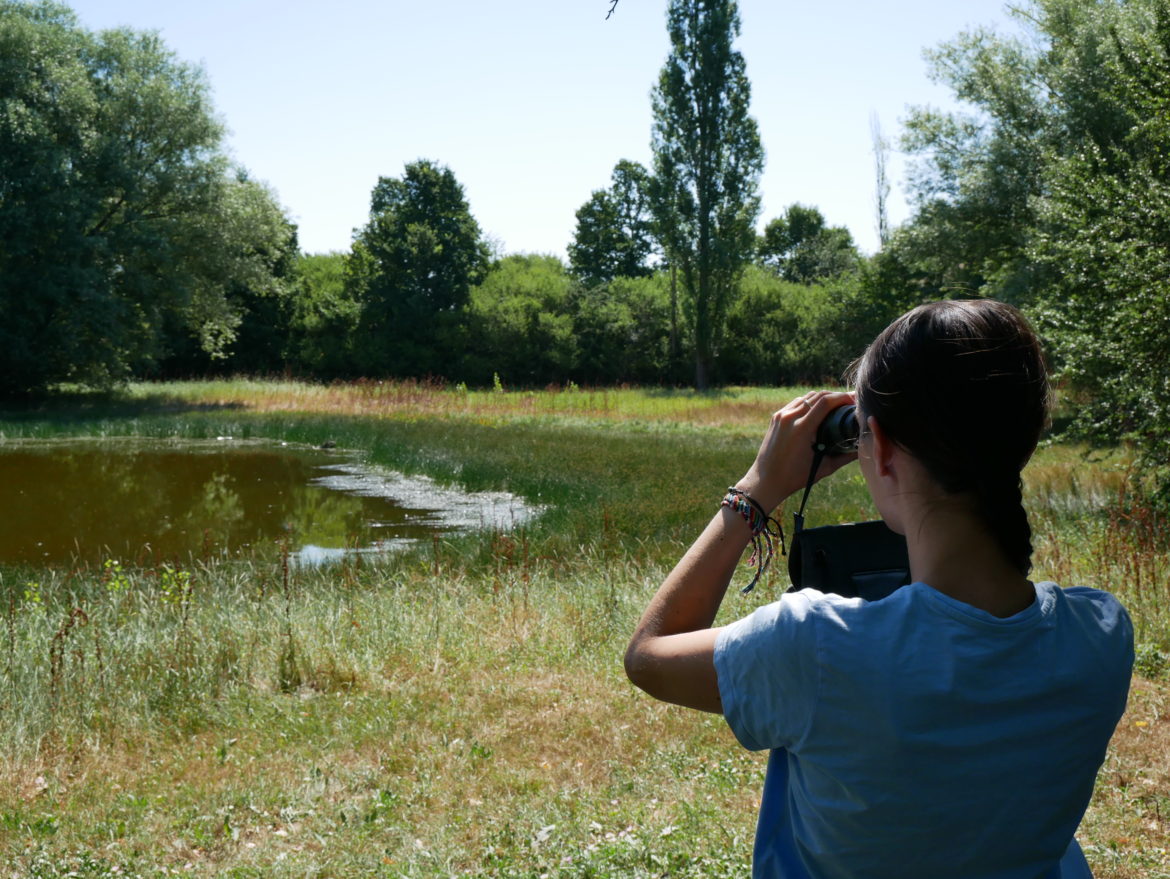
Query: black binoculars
[(838, 434)]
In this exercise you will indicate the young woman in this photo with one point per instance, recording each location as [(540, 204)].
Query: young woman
[(954, 729)]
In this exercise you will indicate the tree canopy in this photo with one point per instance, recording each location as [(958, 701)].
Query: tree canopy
[(707, 165), (412, 268), (121, 221), (1053, 191), (800, 247), (614, 234)]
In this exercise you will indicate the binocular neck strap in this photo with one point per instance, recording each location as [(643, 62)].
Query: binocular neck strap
[(818, 457)]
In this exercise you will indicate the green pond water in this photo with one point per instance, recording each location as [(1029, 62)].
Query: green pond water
[(146, 501)]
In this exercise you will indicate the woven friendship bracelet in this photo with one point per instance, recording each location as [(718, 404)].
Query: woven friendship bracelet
[(765, 531)]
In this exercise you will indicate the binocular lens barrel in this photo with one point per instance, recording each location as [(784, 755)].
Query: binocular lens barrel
[(839, 432)]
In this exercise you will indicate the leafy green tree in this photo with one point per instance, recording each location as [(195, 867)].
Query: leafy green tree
[(412, 268), (245, 250), (1053, 192), (707, 164), (800, 247), (613, 238), (263, 285), (324, 317), (1104, 237), (622, 330), (519, 324), (112, 179), (790, 333), (980, 173)]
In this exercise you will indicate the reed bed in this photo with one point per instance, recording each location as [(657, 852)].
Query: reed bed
[(459, 709), (735, 406)]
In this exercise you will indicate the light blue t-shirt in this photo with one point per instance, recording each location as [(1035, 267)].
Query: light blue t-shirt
[(918, 737)]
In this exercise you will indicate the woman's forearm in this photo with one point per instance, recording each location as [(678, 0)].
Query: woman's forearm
[(669, 655)]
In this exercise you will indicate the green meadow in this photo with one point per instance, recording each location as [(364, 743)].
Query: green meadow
[(461, 709)]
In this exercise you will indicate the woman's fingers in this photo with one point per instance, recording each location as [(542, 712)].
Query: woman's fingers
[(784, 458), (802, 405), (825, 402)]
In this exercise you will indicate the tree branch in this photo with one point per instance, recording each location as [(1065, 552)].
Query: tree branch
[(612, 6)]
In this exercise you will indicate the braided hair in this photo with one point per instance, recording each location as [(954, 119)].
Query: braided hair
[(961, 385)]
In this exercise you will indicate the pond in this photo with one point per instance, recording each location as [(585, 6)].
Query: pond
[(143, 500)]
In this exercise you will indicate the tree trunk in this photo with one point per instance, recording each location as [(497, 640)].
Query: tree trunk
[(702, 372), (673, 315)]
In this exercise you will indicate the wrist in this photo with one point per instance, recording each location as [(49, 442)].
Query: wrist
[(764, 529), (754, 488)]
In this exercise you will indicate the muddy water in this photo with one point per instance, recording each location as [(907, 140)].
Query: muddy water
[(149, 501)]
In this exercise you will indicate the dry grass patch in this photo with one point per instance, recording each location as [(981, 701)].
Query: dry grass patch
[(1126, 832), (726, 407)]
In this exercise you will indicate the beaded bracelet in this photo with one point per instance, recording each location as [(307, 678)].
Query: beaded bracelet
[(765, 530)]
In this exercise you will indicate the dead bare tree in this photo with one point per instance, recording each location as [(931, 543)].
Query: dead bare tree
[(881, 151)]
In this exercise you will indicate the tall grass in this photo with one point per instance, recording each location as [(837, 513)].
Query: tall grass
[(459, 709)]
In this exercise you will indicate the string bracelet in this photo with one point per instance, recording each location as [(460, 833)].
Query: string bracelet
[(765, 532)]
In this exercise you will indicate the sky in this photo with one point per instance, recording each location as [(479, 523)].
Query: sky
[(531, 103)]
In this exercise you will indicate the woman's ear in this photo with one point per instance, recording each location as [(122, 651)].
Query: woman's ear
[(883, 448)]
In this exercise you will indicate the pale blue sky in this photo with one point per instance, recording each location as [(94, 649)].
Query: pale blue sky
[(531, 103)]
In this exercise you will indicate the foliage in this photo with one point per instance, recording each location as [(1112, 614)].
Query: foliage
[(613, 237), (519, 324), (412, 269), (978, 169), (622, 330), (782, 332), (800, 247), (119, 223), (707, 164), (250, 252), (325, 316), (1053, 193), (1104, 235)]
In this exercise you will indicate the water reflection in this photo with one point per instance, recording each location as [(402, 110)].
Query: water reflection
[(148, 500)]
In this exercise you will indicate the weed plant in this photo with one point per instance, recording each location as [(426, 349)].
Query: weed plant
[(459, 709)]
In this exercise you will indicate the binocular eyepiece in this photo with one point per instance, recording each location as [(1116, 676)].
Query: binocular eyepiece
[(838, 434)]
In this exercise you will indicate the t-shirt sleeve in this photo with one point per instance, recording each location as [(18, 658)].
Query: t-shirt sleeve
[(768, 673)]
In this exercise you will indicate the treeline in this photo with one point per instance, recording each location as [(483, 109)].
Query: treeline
[(531, 322), (131, 246), (420, 296)]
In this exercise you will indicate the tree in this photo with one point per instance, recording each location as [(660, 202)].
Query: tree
[(801, 248), (881, 190), (980, 172), (1053, 191), (613, 238), (244, 251), (112, 185), (324, 317), (707, 165), (622, 330), (519, 323), (789, 333), (1104, 236), (412, 268)]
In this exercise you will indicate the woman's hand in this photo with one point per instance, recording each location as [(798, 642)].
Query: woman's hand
[(786, 454)]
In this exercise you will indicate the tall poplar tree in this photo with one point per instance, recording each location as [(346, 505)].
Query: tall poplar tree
[(707, 165)]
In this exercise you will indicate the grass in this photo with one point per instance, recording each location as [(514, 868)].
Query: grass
[(459, 710)]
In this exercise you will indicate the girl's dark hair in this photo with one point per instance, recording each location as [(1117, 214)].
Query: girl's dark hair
[(961, 385)]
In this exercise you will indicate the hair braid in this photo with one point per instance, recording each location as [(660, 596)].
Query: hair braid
[(1001, 504)]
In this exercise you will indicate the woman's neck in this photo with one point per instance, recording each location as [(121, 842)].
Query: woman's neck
[(952, 551)]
